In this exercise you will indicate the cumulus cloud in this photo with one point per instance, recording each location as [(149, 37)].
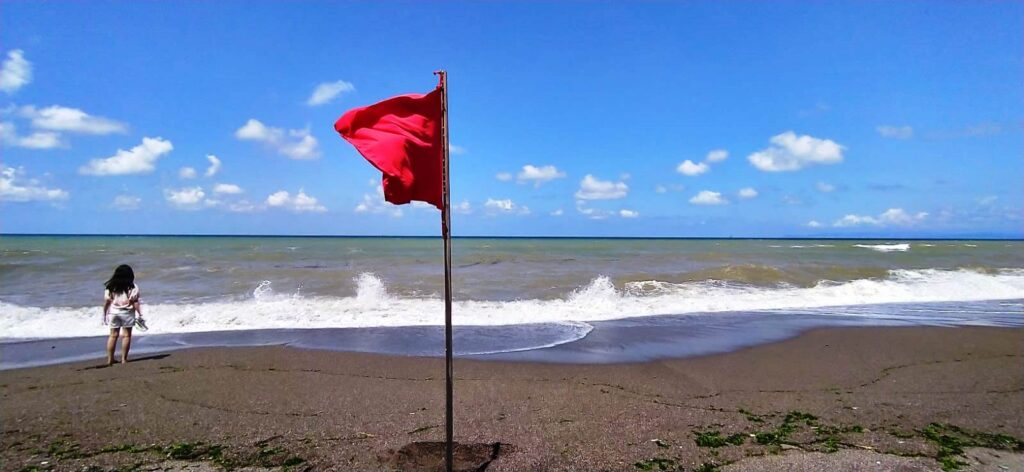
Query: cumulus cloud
[(813, 224), (895, 132), (16, 72), (592, 188), (188, 198), (628, 213), (214, 165), (300, 202), (892, 216), (14, 187), (227, 189), (748, 192), (707, 197), (295, 143), (327, 91), (717, 155), (140, 159), (126, 202), (70, 120), (538, 175), (187, 173), (505, 206), (691, 169), (38, 140), (790, 152), (825, 187), (503, 176), (557, 212)]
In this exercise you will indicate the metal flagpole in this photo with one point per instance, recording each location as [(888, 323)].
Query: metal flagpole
[(446, 236)]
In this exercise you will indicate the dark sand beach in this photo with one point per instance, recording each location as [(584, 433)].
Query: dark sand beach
[(830, 399)]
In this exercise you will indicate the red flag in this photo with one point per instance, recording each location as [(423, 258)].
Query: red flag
[(401, 137)]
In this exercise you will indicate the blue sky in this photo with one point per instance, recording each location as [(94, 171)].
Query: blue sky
[(898, 119)]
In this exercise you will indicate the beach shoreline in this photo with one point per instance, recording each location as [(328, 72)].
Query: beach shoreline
[(829, 396)]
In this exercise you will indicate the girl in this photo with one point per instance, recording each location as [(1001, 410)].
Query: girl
[(121, 301)]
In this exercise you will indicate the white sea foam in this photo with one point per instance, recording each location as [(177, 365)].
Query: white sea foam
[(885, 247), (373, 306)]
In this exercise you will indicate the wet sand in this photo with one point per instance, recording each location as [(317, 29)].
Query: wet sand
[(829, 399)]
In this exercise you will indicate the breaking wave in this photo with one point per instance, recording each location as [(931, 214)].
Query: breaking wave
[(601, 299)]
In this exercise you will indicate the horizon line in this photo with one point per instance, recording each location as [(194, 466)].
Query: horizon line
[(356, 236)]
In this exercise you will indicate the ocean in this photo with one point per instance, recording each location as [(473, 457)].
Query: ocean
[(512, 295)]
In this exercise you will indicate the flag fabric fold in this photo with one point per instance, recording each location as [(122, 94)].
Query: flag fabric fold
[(401, 137)]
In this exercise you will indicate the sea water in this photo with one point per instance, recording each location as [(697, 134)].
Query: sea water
[(518, 294)]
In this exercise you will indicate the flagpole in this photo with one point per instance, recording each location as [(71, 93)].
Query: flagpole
[(446, 237)]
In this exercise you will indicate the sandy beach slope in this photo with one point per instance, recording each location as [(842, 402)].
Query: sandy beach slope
[(830, 399)]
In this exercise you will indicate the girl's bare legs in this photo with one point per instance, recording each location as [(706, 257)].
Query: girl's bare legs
[(111, 343), (126, 344)]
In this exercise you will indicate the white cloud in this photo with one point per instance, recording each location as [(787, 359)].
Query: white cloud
[(628, 214), (592, 188), (72, 120), (892, 216), (126, 202), (825, 187), (557, 212), (463, 208), (37, 140), (375, 203), (187, 173), (228, 189), (243, 206), (456, 150), (214, 165), (188, 198), (707, 197), (505, 206), (538, 175), (691, 169), (300, 203), (790, 152), (895, 132), (813, 224), (16, 72), (326, 92), (717, 155), (897, 216), (140, 159), (14, 188), (503, 176), (660, 189), (748, 192), (296, 143), (592, 213)]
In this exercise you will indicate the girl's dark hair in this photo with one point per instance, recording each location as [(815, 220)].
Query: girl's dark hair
[(123, 280)]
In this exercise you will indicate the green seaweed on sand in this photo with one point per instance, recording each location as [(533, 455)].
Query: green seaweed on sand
[(750, 416), (62, 449), (951, 441), (715, 439), (194, 451)]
